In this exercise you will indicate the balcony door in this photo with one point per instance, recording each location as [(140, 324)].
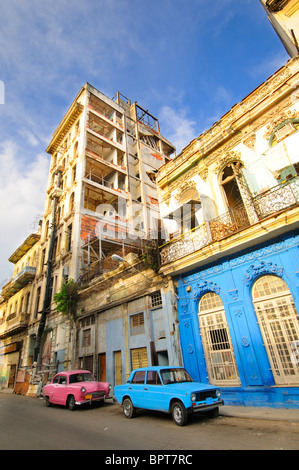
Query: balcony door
[(234, 189)]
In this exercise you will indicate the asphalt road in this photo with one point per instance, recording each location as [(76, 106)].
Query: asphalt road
[(27, 424)]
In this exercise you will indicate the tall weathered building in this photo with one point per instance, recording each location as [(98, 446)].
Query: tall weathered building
[(16, 305), (101, 200), (230, 205), (284, 17)]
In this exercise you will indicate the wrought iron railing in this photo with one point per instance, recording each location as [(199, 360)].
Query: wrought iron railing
[(229, 223), (273, 201), (277, 199), (187, 243)]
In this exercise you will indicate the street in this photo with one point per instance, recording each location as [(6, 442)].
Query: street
[(27, 424)]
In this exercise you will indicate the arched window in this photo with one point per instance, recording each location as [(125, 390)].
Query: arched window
[(188, 215), (279, 324), (218, 349)]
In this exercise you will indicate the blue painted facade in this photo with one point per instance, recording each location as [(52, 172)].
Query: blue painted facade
[(232, 278), (158, 334)]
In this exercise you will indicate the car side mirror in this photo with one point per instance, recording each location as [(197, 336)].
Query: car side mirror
[(128, 381)]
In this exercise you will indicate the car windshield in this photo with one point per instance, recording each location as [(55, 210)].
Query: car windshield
[(80, 377), (171, 376)]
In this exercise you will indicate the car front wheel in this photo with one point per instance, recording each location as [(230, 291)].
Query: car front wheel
[(129, 410), (179, 413)]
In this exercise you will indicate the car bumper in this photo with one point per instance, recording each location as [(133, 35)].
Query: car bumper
[(205, 406), (91, 398)]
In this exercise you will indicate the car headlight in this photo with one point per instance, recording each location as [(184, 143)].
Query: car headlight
[(218, 393), (109, 387), (83, 389), (193, 397)]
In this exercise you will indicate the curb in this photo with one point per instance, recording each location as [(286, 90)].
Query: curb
[(276, 414)]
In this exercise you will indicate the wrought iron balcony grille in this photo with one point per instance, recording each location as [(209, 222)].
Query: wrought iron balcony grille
[(280, 198), (229, 223), (277, 199)]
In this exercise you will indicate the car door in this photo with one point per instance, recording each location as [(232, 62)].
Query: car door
[(153, 392), (136, 388), (60, 391)]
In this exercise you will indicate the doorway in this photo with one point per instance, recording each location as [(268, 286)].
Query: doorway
[(231, 182), (102, 367), (117, 368), (12, 376)]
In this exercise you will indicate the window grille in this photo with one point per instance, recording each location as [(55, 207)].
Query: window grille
[(156, 299), (87, 363), (279, 324), (218, 349), (87, 321), (137, 324), (86, 340), (139, 358)]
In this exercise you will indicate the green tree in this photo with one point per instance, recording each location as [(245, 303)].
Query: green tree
[(67, 299)]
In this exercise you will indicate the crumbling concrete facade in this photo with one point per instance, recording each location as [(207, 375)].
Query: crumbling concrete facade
[(101, 200)]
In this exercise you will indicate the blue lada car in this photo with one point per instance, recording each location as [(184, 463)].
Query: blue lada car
[(168, 389)]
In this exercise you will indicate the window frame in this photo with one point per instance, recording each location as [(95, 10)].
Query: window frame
[(221, 361)]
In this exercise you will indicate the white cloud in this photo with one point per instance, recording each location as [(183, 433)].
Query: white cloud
[(22, 196), (178, 128)]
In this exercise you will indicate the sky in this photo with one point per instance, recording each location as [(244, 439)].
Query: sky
[(186, 61)]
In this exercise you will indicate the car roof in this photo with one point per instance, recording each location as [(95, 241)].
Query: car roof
[(157, 368), (70, 372)]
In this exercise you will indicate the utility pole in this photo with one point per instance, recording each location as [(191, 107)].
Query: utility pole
[(47, 296)]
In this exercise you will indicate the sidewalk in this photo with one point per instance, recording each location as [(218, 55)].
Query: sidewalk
[(280, 414)]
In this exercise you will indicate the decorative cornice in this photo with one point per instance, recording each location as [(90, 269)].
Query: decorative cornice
[(228, 128), (227, 158), (260, 268), (206, 286), (187, 186), (64, 127), (254, 257), (277, 120)]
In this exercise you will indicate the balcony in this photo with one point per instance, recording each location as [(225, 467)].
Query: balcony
[(277, 199), (264, 206), (18, 282), (276, 5), (14, 324)]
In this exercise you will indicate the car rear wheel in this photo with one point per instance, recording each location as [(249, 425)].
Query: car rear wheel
[(71, 402), (179, 413), (129, 410), (48, 403)]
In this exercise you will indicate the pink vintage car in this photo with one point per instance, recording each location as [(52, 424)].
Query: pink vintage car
[(75, 387)]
